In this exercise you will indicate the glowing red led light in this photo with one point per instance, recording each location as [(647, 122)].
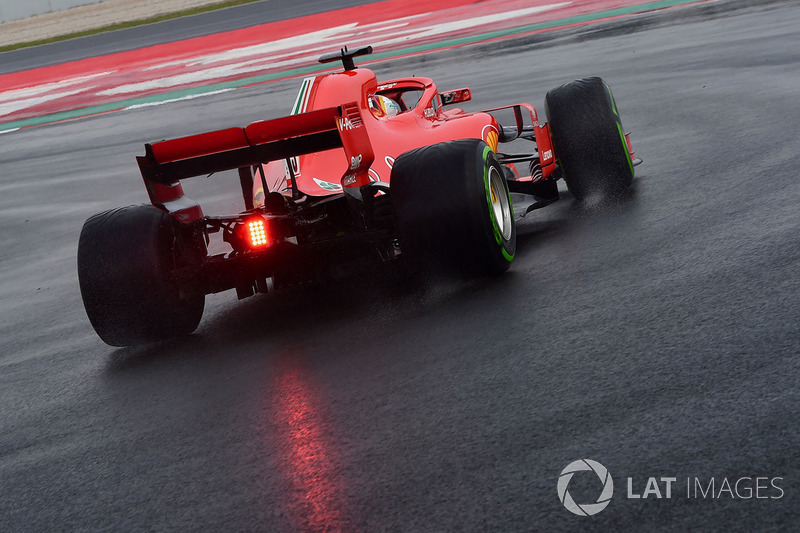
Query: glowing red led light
[(258, 233)]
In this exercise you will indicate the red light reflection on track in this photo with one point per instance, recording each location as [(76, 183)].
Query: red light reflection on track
[(310, 466)]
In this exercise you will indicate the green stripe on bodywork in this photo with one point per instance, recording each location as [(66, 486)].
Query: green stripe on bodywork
[(301, 96), (299, 100), (316, 68)]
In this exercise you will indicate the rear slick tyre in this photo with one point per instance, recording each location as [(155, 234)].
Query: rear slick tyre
[(126, 257), (453, 208), (588, 139)]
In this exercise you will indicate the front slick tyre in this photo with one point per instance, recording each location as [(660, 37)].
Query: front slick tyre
[(125, 259), (453, 208), (588, 139)]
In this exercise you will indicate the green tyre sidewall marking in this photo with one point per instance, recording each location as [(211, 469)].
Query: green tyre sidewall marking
[(510, 257), (498, 236), (625, 147), (619, 127)]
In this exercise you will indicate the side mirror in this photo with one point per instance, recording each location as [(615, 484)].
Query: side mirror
[(457, 96)]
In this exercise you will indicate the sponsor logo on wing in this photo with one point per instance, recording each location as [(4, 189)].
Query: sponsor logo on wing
[(295, 166), (345, 123), (328, 186), (490, 136)]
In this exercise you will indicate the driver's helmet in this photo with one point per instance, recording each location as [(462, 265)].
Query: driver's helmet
[(383, 106)]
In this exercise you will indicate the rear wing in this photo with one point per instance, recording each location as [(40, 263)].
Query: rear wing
[(165, 163)]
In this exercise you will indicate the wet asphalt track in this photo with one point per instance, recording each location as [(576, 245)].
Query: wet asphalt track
[(659, 337)]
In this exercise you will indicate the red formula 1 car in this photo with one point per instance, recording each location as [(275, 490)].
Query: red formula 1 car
[(360, 168)]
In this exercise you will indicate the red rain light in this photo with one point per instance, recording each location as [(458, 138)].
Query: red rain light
[(258, 233)]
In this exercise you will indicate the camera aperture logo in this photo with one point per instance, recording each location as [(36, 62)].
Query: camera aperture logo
[(748, 487), (585, 509)]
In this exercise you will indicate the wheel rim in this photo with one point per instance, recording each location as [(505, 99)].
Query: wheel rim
[(500, 204)]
